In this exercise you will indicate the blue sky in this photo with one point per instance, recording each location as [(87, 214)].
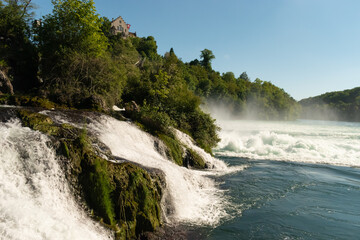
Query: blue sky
[(306, 47)]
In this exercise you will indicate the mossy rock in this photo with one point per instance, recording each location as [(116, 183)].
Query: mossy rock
[(194, 160), (122, 196), (29, 101), (97, 187), (138, 198), (175, 150), (38, 122)]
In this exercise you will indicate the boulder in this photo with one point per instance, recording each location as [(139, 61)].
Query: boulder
[(94, 102), (193, 160)]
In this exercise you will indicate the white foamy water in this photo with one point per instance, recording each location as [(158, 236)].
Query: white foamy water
[(336, 143), (196, 198), (35, 201), (217, 166)]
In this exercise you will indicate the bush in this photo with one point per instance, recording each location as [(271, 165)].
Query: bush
[(79, 77), (153, 120)]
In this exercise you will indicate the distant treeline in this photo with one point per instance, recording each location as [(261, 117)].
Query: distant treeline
[(72, 58), (338, 106)]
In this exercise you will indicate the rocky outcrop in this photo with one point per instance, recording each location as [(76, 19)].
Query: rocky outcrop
[(193, 160), (5, 84), (123, 196)]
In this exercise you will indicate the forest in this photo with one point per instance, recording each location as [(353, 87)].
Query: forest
[(337, 106), (71, 58)]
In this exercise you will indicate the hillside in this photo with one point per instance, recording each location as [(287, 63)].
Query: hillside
[(339, 105)]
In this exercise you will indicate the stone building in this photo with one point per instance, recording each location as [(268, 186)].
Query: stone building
[(119, 26)]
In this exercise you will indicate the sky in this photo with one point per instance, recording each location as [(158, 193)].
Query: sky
[(306, 47)]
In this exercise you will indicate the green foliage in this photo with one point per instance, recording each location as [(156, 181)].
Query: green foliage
[(340, 105), (84, 66), (146, 47), (17, 52), (83, 77), (207, 56), (244, 99), (203, 130), (70, 39), (72, 26), (270, 102), (244, 76), (106, 27), (154, 121)]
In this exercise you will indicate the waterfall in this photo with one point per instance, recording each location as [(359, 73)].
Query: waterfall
[(195, 197), (35, 199)]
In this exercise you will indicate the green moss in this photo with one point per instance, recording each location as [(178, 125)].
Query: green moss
[(174, 147), (24, 100), (63, 149), (122, 196), (38, 122), (96, 185), (138, 198), (194, 160)]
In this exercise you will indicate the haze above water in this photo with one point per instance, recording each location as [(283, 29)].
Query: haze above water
[(302, 179), (336, 143)]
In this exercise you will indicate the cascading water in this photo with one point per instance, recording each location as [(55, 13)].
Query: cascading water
[(196, 198), (35, 200), (336, 143)]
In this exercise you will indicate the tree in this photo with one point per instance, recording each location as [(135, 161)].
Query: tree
[(106, 27), (207, 56), (244, 76), (75, 65), (17, 53), (72, 26), (146, 47)]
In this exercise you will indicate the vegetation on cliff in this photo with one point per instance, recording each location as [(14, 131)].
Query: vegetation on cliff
[(339, 105), (79, 63)]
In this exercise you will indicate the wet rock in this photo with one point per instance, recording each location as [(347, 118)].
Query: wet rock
[(193, 160)]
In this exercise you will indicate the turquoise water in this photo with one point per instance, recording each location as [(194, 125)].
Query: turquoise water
[(283, 200), (302, 180)]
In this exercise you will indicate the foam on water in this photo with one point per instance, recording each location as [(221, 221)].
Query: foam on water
[(196, 198), (218, 167), (35, 200), (336, 143)]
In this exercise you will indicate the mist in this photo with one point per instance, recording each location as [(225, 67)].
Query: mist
[(319, 112), (249, 110)]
